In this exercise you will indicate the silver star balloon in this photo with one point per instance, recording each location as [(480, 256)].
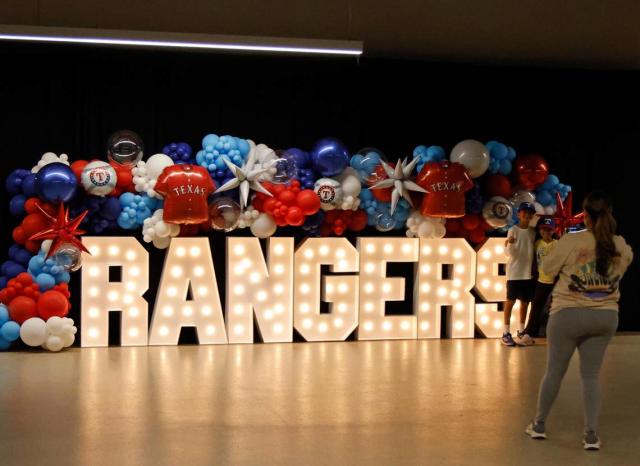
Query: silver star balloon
[(246, 178), (399, 181)]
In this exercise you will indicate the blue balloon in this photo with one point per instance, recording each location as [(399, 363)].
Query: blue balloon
[(19, 254), (16, 205), (45, 281), (4, 314), (10, 331), (56, 183), (12, 269), (4, 344), (329, 157), (29, 187), (298, 156)]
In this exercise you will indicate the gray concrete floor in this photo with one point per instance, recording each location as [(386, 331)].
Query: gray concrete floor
[(447, 402)]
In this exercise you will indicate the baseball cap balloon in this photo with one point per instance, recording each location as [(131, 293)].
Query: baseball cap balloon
[(547, 223), (527, 207)]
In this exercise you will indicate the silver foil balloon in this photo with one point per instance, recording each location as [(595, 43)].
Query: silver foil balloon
[(125, 147)]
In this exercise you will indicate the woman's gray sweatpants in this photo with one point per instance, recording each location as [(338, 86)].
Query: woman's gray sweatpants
[(589, 330)]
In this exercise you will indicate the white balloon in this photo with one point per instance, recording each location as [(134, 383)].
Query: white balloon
[(350, 181), (161, 229), (473, 155), (156, 163), (33, 331), (426, 229), (54, 343), (330, 193), (55, 325), (264, 226), (98, 178), (162, 243), (439, 230), (68, 339)]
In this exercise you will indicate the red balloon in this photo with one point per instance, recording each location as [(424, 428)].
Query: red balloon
[(477, 236), (295, 217), (52, 303), (32, 246), (34, 223), (77, 167), (358, 220), (287, 197), (22, 308), (497, 185), (19, 235), (471, 221), (31, 205), (269, 205), (308, 201), (531, 171), (453, 226)]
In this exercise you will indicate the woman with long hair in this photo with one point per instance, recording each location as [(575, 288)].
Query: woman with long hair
[(584, 310)]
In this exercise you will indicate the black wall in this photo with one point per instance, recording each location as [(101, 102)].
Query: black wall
[(69, 99)]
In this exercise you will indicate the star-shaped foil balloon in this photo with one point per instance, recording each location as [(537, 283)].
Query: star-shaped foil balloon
[(564, 218), (62, 230), (246, 178), (399, 181)]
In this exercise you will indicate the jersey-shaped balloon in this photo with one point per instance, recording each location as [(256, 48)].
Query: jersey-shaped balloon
[(445, 183)]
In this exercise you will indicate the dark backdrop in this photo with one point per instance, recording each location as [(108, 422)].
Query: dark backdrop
[(69, 99)]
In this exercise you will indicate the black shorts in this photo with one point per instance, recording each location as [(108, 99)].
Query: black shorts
[(520, 289)]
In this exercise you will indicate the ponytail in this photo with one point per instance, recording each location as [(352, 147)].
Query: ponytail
[(598, 206)]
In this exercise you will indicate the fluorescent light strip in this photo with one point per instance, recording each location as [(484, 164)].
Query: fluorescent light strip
[(222, 43)]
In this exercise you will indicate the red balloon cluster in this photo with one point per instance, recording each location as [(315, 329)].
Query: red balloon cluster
[(290, 205), (338, 221), (531, 171), (497, 185), (23, 299), (34, 222), (472, 227), (125, 178)]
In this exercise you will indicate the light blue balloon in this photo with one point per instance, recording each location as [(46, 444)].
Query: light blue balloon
[(10, 331), (45, 281), (210, 140), (4, 314), (4, 344), (243, 146), (511, 155), (505, 167), (127, 199), (63, 277)]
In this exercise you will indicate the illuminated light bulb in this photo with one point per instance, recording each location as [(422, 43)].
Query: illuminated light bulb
[(114, 250), (238, 329), (337, 322), (459, 325), (176, 271), (368, 307), (203, 291), (457, 282), (425, 287), (304, 307), (278, 269), (368, 288), (343, 264), (238, 269), (239, 250), (278, 308), (342, 307), (497, 287), (128, 299), (305, 288), (131, 286), (94, 312), (172, 291), (340, 253), (246, 263), (133, 332), (93, 291), (187, 311), (306, 323), (308, 254), (238, 289), (388, 248), (329, 288), (198, 271), (457, 254), (261, 296), (134, 271), (368, 325), (181, 251), (386, 326), (94, 250), (131, 255), (238, 309), (426, 268), (424, 326), (206, 310), (211, 329), (443, 250), (484, 319), (323, 327), (167, 311), (459, 268), (254, 277), (482, 269), (370, 267), (93, 333), (112, 295), (268, 314), (497, 324), (426, 250), (406, 248), (164, 331), (324, 250), (279, 249), (405, 325), (343, 288), (94, 271), (194, 251), (455, 294), (278, 328), (305, 269), (424, 307), (278, 289), (442, 291), (459, 307), (486, 254), (499, 250), (371, 248), (386, 287), (486, 283)]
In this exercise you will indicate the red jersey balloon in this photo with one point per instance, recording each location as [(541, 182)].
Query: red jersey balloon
[(445, 183), (185, 189)]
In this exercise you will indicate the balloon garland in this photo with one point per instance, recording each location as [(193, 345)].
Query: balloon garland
[(232, 183)]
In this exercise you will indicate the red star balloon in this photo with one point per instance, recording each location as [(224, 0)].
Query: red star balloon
[(563, 217), (62, 230)]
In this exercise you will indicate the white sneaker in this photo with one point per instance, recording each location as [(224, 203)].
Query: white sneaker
[(591, 441), (523, 339)]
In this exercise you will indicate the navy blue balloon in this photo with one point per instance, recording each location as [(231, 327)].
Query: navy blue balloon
[(329, 157), (16, 205), (298, 156), (13, 183), (29, 185), (56, 182)]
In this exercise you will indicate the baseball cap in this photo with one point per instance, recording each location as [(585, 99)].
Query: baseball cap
[(527, 206), (548, 223)]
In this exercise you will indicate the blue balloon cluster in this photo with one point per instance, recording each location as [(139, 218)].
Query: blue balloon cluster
[(365, 164), (546, 192), (302, 161), (103, 212), (215, 148), (379, 213), (473, 202), (16, 264), (502, 158), (20, 184), (135, 209), (180, 152), (46, 272), (9, 330), (428, 154)]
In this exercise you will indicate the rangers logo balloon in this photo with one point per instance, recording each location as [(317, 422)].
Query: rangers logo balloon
[(330, 193), (99, 178)]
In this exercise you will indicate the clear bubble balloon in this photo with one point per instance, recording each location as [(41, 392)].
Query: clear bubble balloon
[(367, 163), (69, 257), (224, 214), (520, 196), (497, 212), (385, 222), (286, 170), (125, 147)]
